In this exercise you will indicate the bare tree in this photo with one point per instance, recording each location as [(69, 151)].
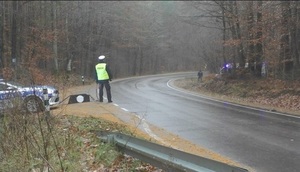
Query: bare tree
[(149, 37), (14, 33), (1, 34), (54, 29), (295, 36), (285, 55)]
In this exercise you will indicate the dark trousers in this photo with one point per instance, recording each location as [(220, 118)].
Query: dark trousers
[(107, 88), (199, 78)]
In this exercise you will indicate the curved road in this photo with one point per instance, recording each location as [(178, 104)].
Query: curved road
[(265, 141)]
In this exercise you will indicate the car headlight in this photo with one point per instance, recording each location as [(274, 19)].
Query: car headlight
[(51, 90)]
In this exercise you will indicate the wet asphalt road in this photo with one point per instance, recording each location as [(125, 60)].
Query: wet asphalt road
[(262, 140)]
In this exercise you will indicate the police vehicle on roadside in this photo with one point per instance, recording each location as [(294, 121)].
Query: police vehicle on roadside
[(30, 98)]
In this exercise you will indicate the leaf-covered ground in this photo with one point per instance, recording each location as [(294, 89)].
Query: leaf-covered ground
[(272, 94)]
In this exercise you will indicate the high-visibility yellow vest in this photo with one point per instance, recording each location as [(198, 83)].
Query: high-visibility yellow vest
[(101, 71)]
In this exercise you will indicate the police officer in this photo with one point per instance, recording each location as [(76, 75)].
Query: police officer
[(103, 76), (200, 75)]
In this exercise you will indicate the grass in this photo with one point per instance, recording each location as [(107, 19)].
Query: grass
[(32, 142)]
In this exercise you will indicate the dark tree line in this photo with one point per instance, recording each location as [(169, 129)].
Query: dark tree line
[(138, 38), (260, 33), (39, 37)]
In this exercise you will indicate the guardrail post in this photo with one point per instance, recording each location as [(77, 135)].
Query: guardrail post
[(82, 79)]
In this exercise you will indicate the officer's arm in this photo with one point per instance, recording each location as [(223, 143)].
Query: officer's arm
[(96, 77), (109, 72)]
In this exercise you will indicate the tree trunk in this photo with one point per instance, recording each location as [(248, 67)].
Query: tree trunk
[(224, 31), (54, 29), (240, 48), (250, 23), (14, 34), (89, 35), (297, 57), (1, 34), (285, 55), (141, 62), (135, 61), (294, 29), (69, 55), (259, 48), (232, 23)]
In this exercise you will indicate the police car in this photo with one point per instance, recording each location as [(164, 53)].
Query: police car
[(13, 94)]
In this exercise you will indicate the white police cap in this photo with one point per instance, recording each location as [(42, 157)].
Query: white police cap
[(101, 57)]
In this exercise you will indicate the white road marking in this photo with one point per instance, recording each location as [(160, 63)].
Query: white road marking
[(146, 127), (149, 131), (124, 109)]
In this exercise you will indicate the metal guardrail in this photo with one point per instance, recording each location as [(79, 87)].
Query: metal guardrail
[(165, 158)]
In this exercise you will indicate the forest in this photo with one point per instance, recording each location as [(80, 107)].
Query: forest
[(42, 38)]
